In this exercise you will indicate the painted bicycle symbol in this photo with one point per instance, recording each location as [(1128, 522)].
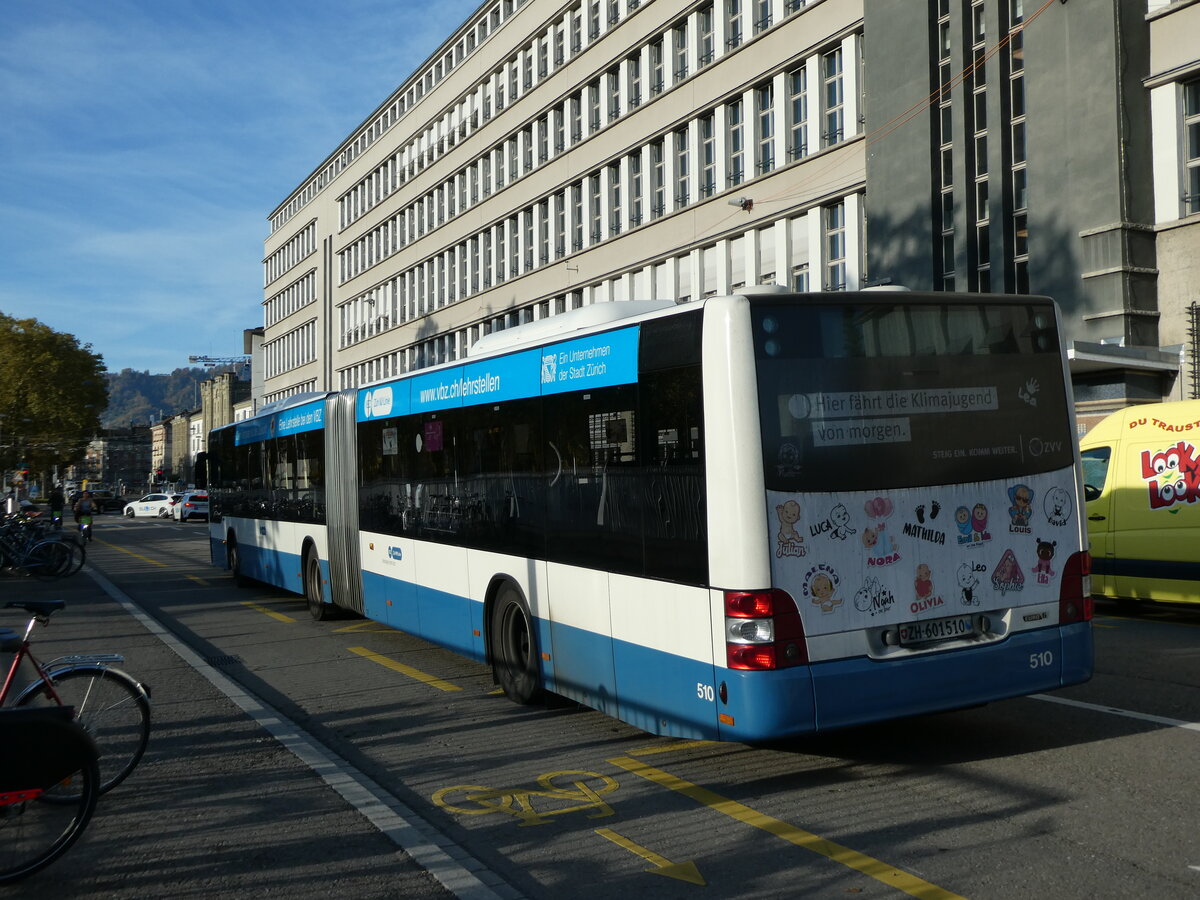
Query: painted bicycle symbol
[(558, 793)]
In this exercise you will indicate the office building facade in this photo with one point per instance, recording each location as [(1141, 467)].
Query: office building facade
[(551, 155)]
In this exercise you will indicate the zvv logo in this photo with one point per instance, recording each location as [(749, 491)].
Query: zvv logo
[(549, 368)]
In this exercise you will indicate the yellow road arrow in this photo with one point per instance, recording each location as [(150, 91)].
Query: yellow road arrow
[(684, 871)]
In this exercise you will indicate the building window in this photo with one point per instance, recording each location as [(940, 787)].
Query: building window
[(798, 139), (680, 50), (708, 155), (733, 18), (633, 67), (596, 232), (835, 246), (656, 68), (736, 143), (704, 27), (1191, 154), (658, 190), (614, 199), (682, 170), (1018, 178), (762, 15), (834, 98), (764, 99), (614, 93), (635, 188), (577, 215), (560, 224)]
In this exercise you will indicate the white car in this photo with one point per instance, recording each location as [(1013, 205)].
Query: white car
[(153, 505), (190, 505)]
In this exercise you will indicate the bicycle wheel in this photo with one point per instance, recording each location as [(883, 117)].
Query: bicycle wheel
[(110, 705), (33, 834), (48, 560)]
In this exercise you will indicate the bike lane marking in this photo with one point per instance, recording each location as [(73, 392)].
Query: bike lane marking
[(450, 864), (860, 862), (386, 662), (138, 556), (280, 617)]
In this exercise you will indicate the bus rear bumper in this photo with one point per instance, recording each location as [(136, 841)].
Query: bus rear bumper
[(823, 696)]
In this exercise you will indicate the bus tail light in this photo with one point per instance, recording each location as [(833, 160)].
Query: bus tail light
[(1075, 602), (763, 631)]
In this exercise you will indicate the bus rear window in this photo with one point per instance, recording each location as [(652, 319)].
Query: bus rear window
[(862, 396)]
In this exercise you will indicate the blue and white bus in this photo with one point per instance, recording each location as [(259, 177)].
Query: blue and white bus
[(742, 518)]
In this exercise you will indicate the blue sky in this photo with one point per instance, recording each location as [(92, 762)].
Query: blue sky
[(144, 143)]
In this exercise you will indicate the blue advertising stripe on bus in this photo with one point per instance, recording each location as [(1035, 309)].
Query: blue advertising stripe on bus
[(383, 401), (309, 417), (602, 360)]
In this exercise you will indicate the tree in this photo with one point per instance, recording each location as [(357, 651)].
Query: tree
[(52, 394)]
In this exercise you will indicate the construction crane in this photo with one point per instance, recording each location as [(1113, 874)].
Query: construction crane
[(209, 361)]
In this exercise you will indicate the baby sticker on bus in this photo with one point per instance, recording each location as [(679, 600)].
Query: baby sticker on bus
[(1045, 553), (789, 541), (1007, 575), (820, 585), (1021, 510), (1058, 506)]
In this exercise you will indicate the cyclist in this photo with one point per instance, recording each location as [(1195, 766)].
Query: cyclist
[(84, 508), (57, 503)]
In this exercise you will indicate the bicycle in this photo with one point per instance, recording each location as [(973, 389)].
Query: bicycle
[(111, 705), (26, 549), (49, 785)]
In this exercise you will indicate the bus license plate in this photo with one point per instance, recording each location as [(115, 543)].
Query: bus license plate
[(936, 630)]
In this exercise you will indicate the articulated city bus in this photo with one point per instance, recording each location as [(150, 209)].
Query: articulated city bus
[(741, 518)]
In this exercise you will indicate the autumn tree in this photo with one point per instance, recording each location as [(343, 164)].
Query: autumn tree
[(52, 394)]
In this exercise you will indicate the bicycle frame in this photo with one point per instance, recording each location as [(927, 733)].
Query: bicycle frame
[(25, 652)]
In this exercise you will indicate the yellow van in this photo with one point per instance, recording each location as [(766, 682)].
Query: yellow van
[(1141, 473)]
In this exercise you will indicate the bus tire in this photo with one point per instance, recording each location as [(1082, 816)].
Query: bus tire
[(317, 607), (235, 562), (514, 649)]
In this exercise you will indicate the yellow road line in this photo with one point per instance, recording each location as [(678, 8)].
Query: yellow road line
[(860, 862), (267, 612), (367, 626), (425, 677), (144, 559), (199, 581), (684, 871)]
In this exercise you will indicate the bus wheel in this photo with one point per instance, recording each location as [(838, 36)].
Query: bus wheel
[(235, 563), (514, 647), (317, 607)]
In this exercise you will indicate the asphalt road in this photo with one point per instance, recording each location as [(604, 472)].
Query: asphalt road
[(295, 758)]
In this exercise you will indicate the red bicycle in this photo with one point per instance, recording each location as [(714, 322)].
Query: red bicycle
[(112, 706)]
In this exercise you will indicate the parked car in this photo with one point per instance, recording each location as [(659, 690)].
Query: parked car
[(193, 504), (107, 501), (154, 505), (172, 499)]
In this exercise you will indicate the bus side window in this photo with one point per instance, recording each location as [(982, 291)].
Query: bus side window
[(1095, 471)]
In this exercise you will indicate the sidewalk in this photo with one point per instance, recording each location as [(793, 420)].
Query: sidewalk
[(217, 807)]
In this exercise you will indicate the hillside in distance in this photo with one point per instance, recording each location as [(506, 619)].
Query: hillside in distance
[(140, 398)]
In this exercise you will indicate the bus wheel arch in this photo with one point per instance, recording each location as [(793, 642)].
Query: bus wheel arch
[(314, 593), (233, 557), (512, 646)]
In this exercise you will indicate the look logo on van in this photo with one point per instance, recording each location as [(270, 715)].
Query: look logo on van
[(1172, 475)]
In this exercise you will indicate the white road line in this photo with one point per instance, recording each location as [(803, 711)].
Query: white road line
[(461, 874), (1113, 711)]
